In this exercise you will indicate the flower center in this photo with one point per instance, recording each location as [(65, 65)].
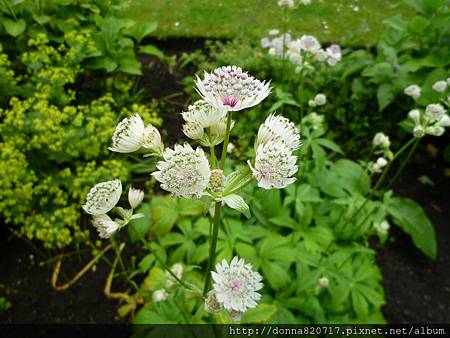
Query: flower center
[(236, 285), (229, 101)]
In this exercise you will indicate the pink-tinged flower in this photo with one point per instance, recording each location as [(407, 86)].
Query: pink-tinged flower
[(232, 89), (184, 172), (236, 285), (277, 128), (334, 54), (274, 166)]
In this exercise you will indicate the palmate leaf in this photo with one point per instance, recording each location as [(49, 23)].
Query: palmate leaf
[(14, 28), (261, 314)]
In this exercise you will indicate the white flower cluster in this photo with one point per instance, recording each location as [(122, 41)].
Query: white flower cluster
[(316, 121), (441, 86), (131, 135), (301, 52), (184, 171), (382, 228), (319, 100), (381, 145), (291, 3), (102, 198), (205, 123), (414, 91), (231, 89), (431, 122), (235, 287), (275, 163)]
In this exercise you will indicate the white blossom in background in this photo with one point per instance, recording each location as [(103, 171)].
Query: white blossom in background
[(309, 44), (184, 171), (274, 32), (177, 270), (434, 112), (324, 282), (103, 197), (232, 89), (435, 130), (277, 128), (305, 2), (382, 228), (235, 285), (105, 226), (159, 295), (440, 86), (415, 116), (414, 91), (274, 166), (287, 3), (381, 140), (320, 99), (334, 54), (135, 197), (378, 166)]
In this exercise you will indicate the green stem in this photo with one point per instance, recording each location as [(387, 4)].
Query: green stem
[(160, 261), (212, 248), (212, 150), (302, 81), (381, 179), (122, 266), (225, 141), (404, 162)]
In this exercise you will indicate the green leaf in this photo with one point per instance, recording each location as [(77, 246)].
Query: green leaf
[(261, 314), (14, 28), (329, 144), (277, 276), (164, 215), (359, 303), (138, 228), (146, 262), (152, 50), (385, 95), (155, 280), (141, 29), (236, 202), (410, 216), (148, 316), (130, 65)]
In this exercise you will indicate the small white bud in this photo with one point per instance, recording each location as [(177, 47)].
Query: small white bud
[(324, 282), (440, 86), (414, 91), (320, 99), (159, 295), (135, 197)]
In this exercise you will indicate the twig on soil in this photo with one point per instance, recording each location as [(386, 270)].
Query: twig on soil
[(67, 285)]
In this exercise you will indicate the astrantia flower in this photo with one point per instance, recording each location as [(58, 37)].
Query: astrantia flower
[(277, 128), (381, 140), (378, 166), (193, 130), (135, 197), (159, 295), (334, 54), (152, 139), (414, 91), (105, 226), (320, 99), (236, 285), (274, 166), (232, 89), (203, 114), (382, 228), (434, 111), (103, 197), (129, 135), (287, 3), (309, 43), (440, 86), (184, 172)]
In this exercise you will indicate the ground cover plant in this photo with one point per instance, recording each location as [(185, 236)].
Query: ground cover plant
[(265, 197)]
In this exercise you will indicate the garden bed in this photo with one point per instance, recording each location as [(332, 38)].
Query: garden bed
[(416, 287)]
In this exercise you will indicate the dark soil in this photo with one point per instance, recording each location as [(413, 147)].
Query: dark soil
[(417, 288)]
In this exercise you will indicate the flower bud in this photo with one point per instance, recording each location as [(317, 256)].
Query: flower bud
[(211, 303), (216, 181)]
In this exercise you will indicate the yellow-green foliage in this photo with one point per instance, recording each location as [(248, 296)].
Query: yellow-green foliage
[(53, 150)]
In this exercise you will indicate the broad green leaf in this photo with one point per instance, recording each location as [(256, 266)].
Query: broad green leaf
[(359, 303), (410, 216), (152, 50), (141, 29), (261, 314), (237, 203), (155, 280), (277, 276), (148, 316), (138, 228), (164, 215), (385, 95), (324, 142), (14, 28)]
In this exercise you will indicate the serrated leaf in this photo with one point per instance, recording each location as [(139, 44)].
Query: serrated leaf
[(152, 50)]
